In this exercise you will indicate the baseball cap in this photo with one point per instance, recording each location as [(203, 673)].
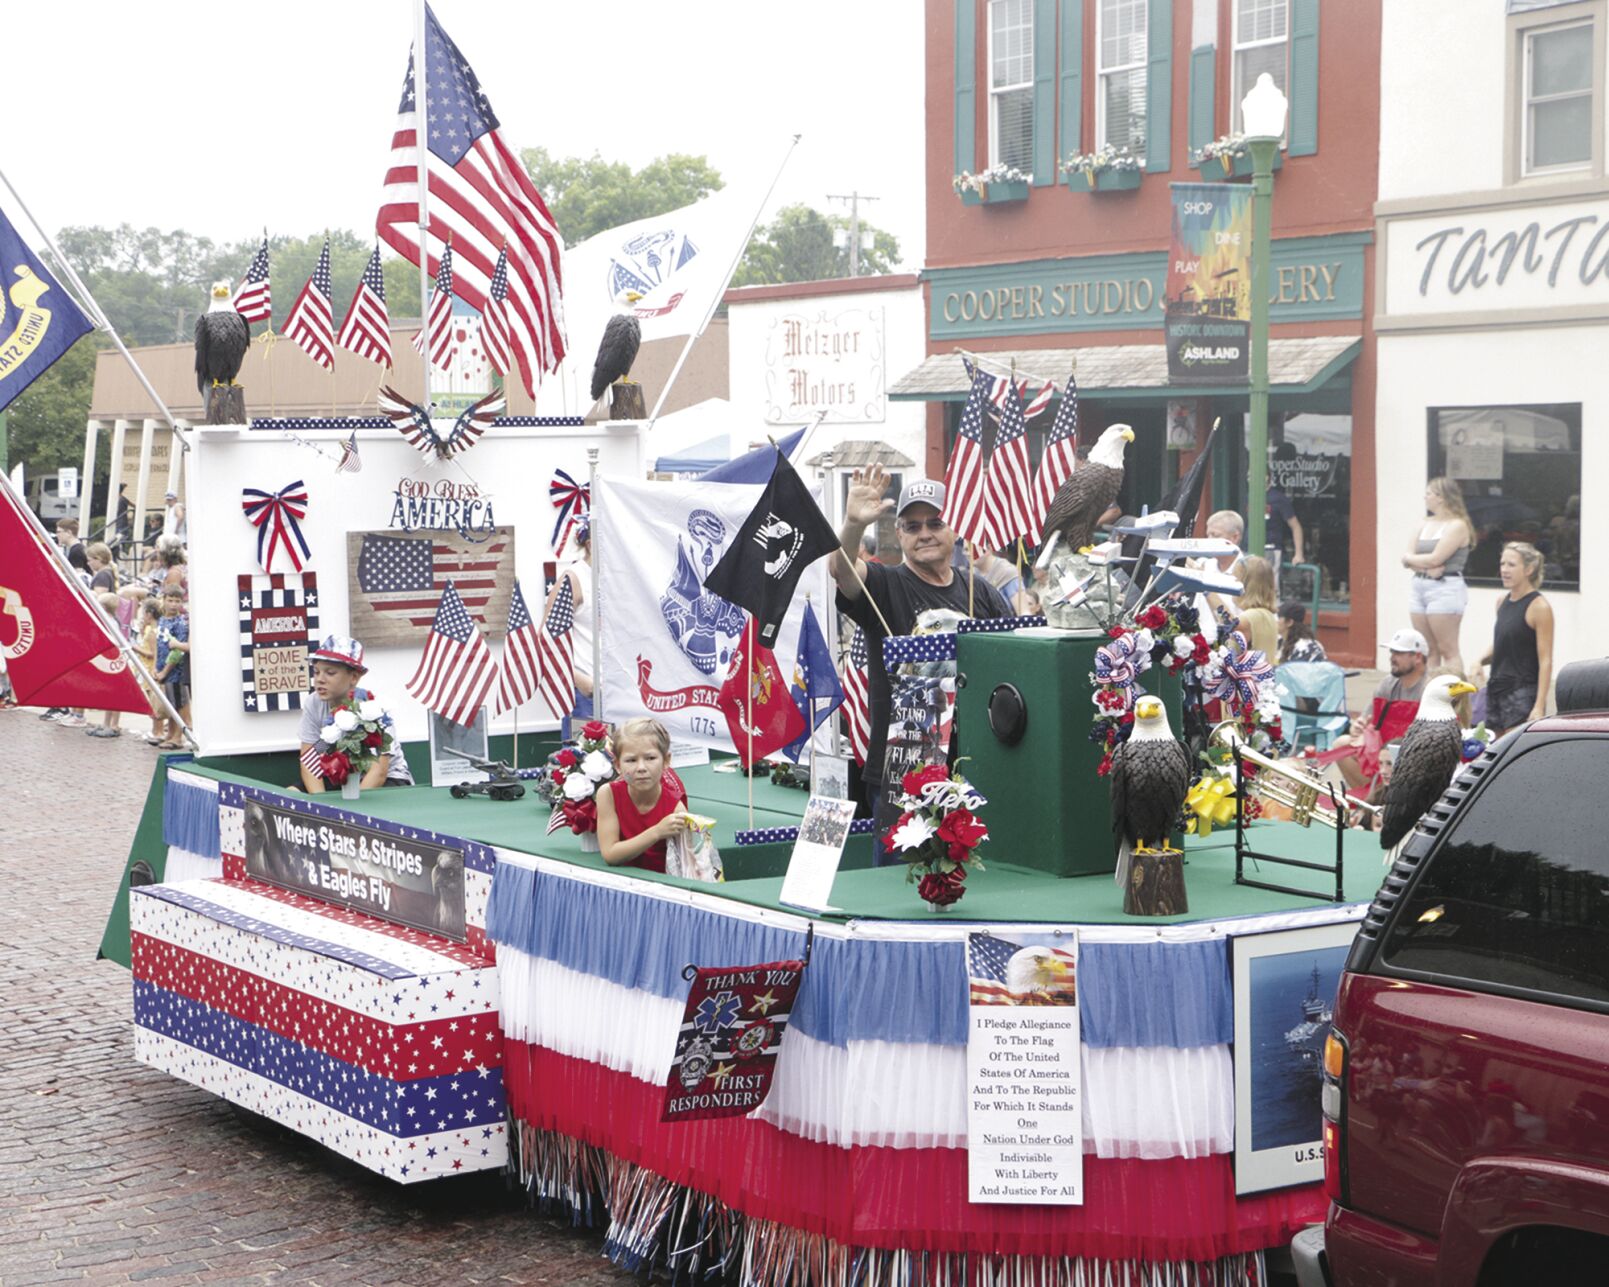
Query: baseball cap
[(342, 651), (1407, 640), (924, 491), (171, 496)]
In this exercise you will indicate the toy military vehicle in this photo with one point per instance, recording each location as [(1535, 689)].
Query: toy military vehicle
[(500, 784)]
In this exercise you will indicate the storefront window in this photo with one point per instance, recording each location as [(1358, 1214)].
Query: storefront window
[(1262, 44), (1520, 471), (1310, 479), (1120, 104), (1011, 84)]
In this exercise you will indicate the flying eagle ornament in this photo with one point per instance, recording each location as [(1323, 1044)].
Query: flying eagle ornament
[(1426, 760), (222, 338), (414, 423), (1080, 501), (1150, 778), (622, 337)]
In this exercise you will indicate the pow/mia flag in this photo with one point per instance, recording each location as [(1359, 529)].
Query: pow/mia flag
[(784, 534)]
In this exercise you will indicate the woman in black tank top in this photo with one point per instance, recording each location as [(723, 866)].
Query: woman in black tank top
[(1521, 656)]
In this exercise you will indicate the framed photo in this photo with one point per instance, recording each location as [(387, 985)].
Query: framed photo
[(451, 745), (832, 776), (817, 853), (1285, 984)]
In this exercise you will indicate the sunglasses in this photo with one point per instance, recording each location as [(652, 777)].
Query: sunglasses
[(912, 526)]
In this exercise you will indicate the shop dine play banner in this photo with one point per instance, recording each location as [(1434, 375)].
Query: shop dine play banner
[(1208, 290), (731, 1034)]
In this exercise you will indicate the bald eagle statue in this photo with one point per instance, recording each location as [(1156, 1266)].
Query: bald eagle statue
[(222, 338), (1090, 492), (1150, 778), (1426, 760), (622, 337)]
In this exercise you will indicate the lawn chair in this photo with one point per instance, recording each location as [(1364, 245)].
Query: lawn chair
[(1314, 703)]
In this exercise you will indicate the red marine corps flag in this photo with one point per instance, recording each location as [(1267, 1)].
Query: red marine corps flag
[(59, 647), (755, 699)]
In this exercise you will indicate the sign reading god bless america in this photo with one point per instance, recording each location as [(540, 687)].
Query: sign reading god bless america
[(278, 628)]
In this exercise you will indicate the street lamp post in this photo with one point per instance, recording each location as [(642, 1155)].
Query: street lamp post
[(1263, 117)]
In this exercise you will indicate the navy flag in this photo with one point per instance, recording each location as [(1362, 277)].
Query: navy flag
[(783, 535), (38, 319)]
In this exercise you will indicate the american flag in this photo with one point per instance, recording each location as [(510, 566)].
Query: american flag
[(311, 325), (456, 671), (438, 327), (252, 300), (399, 579), (555, 651), (494, 319), (350, 462), (857, 701), (987, 959), (482, 196), (1009, 499), (367, 329), (1031, 406), (310, 760), (520, 662), (964, 484), (1060, 457)]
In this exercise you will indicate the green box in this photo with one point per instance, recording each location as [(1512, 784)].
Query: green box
[(1048, 808)]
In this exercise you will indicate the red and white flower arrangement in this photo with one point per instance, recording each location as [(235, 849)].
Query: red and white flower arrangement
[(577, 773), (358, 734), (938, 833)]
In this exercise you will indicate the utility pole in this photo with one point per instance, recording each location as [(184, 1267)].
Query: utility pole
[(853, 199)]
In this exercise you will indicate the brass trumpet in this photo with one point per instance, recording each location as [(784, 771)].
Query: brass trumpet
[(1298, 790)]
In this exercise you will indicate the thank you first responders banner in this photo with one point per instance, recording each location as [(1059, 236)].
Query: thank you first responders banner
[(408, 882), (1208, 290), (731, 1035)]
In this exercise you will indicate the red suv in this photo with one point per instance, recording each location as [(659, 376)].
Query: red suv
[(1466, 1086)]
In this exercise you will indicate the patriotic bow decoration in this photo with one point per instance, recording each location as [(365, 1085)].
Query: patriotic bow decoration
[(1239, 675), (276, 516), (1121, 662), (573, 500)]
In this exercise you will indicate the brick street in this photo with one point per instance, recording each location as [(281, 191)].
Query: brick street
[(111, 1172)]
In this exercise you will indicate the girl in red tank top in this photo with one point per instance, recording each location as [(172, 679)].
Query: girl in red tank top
[(644, 807)]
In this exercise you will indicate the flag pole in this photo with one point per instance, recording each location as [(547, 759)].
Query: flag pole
[(596, 606), (715, 300), (96, 314), (421, 137), (748, 724)]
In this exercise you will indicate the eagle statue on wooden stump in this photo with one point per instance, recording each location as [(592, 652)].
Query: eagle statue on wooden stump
[(1430, 753), (622, 337), (222, 338), (1091, 491), (1150, 778)]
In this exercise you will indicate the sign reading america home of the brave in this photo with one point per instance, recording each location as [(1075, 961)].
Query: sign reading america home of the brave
[(1310, 279)]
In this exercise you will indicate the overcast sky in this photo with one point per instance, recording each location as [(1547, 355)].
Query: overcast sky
[(221, 118)]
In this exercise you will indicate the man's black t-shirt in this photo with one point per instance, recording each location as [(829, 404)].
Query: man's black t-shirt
[(903, 596)]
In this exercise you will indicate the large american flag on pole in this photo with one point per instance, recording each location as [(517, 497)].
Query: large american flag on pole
[(857, 700), (480, 195), (437, 331), (367, 329), (311, 325), (253, 300), (494, 319), (1060, 457), (1009, 500), (456, 671), (964, 509), (518, 682), (555, 651)]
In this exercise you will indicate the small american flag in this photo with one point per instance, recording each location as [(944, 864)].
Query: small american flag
[(252, 300), (311, 325), (521, 664), (456, 671), (1031, 406), (367, 329), (857, 701), (310, 760), (350, 462), (438, 327), (483, 196), (555, 650), (1009, 500), (964, 509), (987, 959), (1060, 457), (494, 319)]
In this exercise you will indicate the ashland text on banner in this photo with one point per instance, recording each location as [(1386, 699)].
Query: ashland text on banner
[(59, 648), (38, 319), (784, 534), (666, 641), (395, 581), (1208, 289), (730, 1037), (759, 709), (482, 198)]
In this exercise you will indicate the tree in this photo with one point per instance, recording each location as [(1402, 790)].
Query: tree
[(587, 195), (46, 421), (802, 245)]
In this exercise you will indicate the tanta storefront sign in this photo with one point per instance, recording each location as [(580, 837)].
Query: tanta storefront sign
[(1310, 279), (826, 360), (1480, 261)]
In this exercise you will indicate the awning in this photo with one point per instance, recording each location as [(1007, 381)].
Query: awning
[(1295, 366)]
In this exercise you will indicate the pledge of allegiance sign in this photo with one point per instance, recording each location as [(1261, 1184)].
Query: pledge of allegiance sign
[(1208, 291)]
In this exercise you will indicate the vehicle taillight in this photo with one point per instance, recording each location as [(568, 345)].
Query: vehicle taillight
[(1333, 1097)]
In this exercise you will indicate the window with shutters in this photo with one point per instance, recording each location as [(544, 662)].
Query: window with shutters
[(1011, 84), (1262, 35), (1120, 75)]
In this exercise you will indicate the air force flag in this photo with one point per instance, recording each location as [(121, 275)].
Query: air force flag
[(38, 319)]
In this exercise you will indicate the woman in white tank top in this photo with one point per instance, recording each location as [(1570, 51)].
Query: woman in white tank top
[(1437, 552)]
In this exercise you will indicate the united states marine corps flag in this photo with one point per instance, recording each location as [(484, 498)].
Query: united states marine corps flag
[(38, 319)]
